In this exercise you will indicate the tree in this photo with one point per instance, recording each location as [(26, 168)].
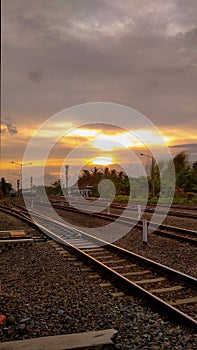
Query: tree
[(186, 175), (119, 179), (106, 172), (5, 187), (194, 166), (194, 177), (86, 173), (55, 189), (95, 171), (181, 162)]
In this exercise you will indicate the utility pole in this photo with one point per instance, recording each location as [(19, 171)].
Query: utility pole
[(21, 169), (17, 181), (152, 172), (31, 186), (66, 173), (18, 185)]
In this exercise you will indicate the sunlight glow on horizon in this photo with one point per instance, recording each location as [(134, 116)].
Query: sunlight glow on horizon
[(102, 161), (105, 141)]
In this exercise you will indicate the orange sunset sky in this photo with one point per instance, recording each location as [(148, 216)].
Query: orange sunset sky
[(135, 53)]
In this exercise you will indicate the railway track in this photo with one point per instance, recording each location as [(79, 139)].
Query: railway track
[(183, 212), (181, 234), (168, 291)]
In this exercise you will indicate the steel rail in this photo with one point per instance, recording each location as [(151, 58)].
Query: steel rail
[(147, 209), (161, 229), (160, 267), (173, 232), (124, 218), (128, 284), (122, 281)]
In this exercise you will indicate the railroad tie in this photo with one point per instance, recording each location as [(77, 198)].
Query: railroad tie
[(105, 284), (102, 257), (93, 275), (93, 250), (117, 294), (95, 253), (82, 246), (60, 249), (113, 261), (151, 280), (53, 244), (87, 269), (183, 301), (122, 267), (136, 273), (167, 289), (64, 253), (77, 240)]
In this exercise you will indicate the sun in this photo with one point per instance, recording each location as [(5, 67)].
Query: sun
[(102, 161)]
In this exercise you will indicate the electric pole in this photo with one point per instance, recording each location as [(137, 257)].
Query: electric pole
[(66, 173)]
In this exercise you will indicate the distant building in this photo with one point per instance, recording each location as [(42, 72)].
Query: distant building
[(85, 191), (84, 186)]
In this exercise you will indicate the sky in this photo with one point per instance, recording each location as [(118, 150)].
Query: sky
[(58, 54)]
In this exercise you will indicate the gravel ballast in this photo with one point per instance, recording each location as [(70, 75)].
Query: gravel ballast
[(46, 293), (178, 255)]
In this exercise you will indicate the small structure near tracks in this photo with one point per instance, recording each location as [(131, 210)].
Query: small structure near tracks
[(91, 340), (14, 238)]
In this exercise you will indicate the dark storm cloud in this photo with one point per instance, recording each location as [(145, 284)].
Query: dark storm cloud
[(187, 145), (8, 127), (69, 52), (190, 148)]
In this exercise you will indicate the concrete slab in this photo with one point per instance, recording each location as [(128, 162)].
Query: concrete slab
[(64, 342)]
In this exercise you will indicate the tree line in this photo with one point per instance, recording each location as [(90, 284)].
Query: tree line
[(185, 173), (185, 177)]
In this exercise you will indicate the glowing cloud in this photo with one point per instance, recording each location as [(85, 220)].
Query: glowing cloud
[(83, 132), (102, 161), (111, 142)]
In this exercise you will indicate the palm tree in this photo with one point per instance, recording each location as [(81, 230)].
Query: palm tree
[(181, 162)]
